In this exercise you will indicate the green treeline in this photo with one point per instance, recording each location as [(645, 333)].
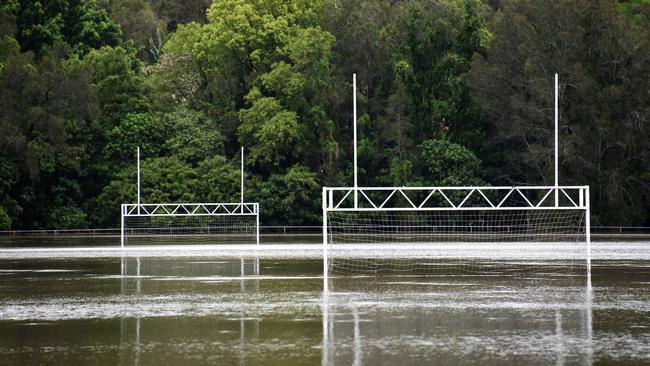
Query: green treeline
[(451, 92)]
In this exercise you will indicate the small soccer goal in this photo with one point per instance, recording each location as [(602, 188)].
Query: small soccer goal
[(455, 230), (190, 223)]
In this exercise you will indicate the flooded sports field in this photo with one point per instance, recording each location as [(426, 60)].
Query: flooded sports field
[(266, 306)]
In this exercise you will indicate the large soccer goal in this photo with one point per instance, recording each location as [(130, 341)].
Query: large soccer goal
[(455, 230), (190, 223)]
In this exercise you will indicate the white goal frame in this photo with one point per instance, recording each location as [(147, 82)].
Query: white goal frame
[(562, 195), (189, 209), (357, 199)]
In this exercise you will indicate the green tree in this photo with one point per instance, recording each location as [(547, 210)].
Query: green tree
[(219, 180), (445, 163), (271, 131), (276, 55), (138, 22), (80, 24), (118, 82), (638, 10), (289, 199), (67, 218), (176, 12), (191, 136), (163, 179), (5, 220), (41, 101), (136, 129), (438, 41), (410, 58), (603, 63)]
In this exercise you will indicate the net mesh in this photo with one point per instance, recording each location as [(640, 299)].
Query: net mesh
[(190, 229), (443, 242)]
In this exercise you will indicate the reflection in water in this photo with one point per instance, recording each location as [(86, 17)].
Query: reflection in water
[(392, 327), (137, 269), (358, 351), (207, 310), (588, 321)]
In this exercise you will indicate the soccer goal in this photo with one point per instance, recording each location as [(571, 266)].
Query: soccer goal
[(455, 230), (447, 230), (190, 223)]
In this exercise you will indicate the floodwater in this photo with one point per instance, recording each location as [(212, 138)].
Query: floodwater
[(141, 310)]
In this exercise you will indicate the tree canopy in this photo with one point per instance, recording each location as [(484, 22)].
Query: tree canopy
[(451, 92)]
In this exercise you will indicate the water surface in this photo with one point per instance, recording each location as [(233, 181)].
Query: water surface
[(249, 311)]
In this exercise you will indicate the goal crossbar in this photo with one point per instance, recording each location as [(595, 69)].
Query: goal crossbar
[(420, 198), (180, 209)]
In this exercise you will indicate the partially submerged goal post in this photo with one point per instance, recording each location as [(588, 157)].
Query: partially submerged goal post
[(423, 230), (190, 223)]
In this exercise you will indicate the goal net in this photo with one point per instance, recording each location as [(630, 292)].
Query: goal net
[(466, 230), (216, 223)]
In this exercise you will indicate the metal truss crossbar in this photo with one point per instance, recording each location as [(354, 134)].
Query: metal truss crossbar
[(189, 209), (454, 198)]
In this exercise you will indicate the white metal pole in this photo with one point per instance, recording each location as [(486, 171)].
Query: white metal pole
[(557, 196), (588, 234), (123, 208), (325, 274), (242, 180), (138, 180), (354, 134), (257, 223)]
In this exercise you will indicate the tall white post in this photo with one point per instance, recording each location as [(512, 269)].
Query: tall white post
[(354, 134), (242, 180), (325, 274), (138, 180), (257, 224), (123, 208), (588, 234), (557, 197)]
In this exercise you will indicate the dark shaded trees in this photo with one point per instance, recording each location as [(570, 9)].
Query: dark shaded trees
[(80, 24), (444, 99), (604, 71)]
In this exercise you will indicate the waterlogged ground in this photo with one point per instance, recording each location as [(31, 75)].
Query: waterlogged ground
[(211, 310)]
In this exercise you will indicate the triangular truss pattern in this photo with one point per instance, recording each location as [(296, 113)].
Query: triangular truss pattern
[(455, 198), (190, 209)]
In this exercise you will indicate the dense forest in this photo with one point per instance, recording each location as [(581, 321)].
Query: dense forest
[(451, 92)]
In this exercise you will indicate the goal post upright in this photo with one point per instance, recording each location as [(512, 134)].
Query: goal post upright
[(122, 208), (325, 265), (588, 233), (354, 137), (139, 179), (555, 134), (557, 175), (241, 193)]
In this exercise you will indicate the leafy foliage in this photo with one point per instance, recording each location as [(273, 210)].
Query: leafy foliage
[(79, 24), (5, 220), (288, 199), (450, 92), (136, 129), (448, 164), (603, 64)]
